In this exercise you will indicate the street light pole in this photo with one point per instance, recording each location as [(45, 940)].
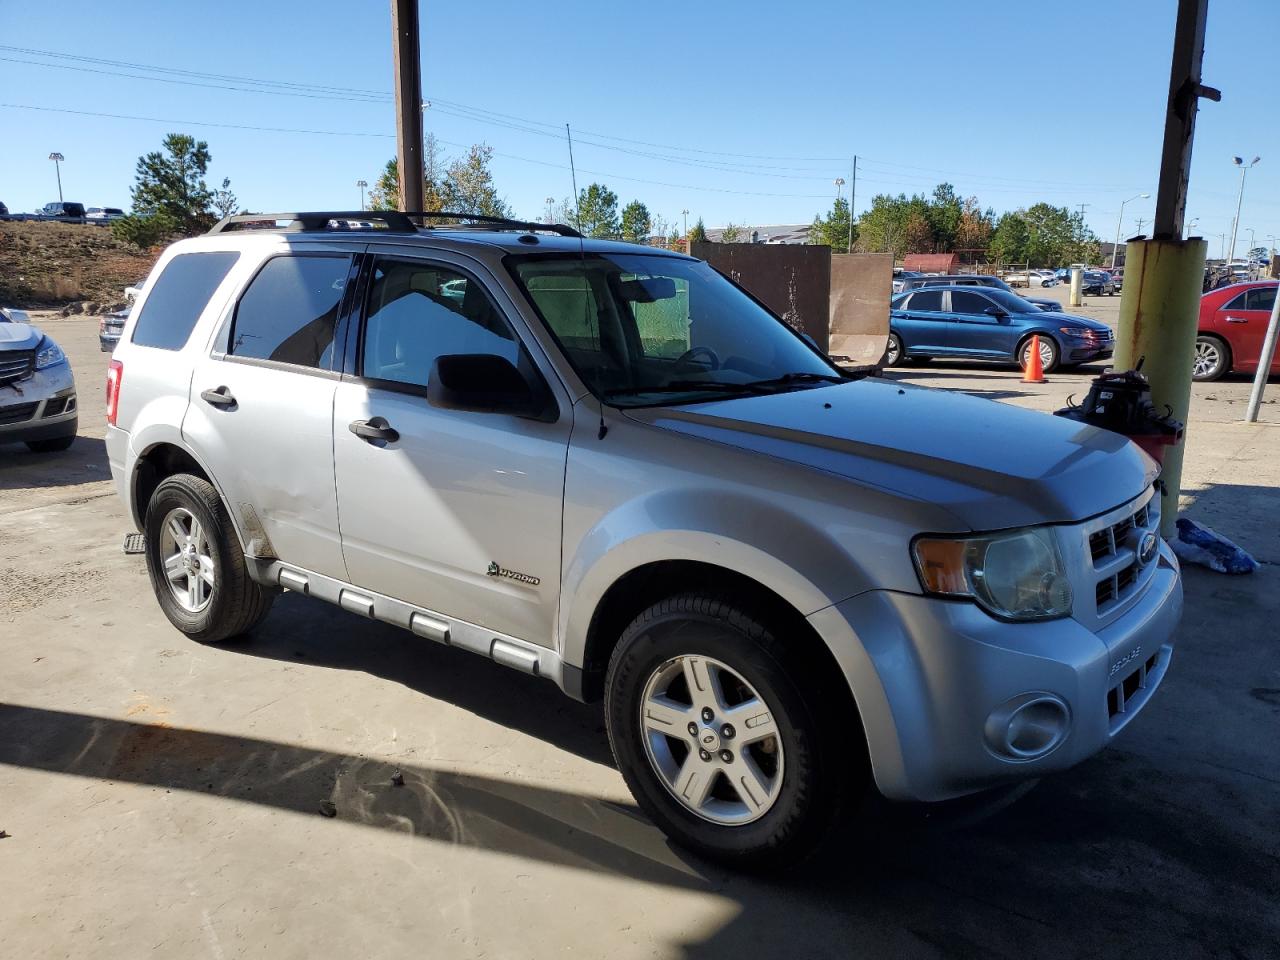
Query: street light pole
[(57, 158), (685, 213), (550, 201), (1115, 247), (1235, 224), (362, 184)]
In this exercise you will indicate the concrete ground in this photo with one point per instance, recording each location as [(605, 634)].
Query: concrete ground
[(161, 797)]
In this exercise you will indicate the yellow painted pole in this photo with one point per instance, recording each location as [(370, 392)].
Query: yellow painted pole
[(1077, 284), (1159, 311)]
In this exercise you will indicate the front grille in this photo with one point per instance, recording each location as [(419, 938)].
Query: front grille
[(1113, 549), (17, 413), (16, 365)]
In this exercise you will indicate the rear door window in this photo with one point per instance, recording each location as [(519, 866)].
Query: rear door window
[(926, 301), (178, 296), (1260, 298), (290, 311)]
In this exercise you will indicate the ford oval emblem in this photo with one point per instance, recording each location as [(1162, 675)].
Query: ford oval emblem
[(1148, 548)]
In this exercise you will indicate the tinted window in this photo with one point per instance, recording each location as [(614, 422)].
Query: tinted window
[(964, 302), (1261, 298), (926, 300), (419, 311), (289, 312), (178, 296), (1237, 303)]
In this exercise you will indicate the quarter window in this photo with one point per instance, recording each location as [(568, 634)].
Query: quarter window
[(290, 311), (420, 311), (178, 296)]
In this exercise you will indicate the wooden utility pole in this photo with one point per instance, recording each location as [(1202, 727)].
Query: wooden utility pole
[(406, 55)]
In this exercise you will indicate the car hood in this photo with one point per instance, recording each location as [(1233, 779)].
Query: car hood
[(19, 336), (1077, 320), (990, 464)]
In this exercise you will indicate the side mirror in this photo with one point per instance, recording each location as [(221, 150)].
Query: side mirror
[(483, 383), (998, 312)]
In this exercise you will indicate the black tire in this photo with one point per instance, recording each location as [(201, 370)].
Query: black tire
[(1055, 354), (1204, 368), (236, 603), (893, 355), (817, 769), (52, 445)]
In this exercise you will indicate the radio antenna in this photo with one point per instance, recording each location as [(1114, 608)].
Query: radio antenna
[(582, 253)]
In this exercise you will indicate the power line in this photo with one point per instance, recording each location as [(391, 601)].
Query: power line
[(450, 143)]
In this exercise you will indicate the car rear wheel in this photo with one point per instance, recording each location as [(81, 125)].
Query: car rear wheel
[(197, 568), (724, 738), (1048, 353), (1212, 358), (893, 352)]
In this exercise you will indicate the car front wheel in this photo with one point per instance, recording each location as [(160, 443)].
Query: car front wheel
[(712, 729), (1048, 353), (1212, 358)]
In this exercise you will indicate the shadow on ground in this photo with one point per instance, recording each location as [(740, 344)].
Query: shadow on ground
[(85, 461), (1105, 855)]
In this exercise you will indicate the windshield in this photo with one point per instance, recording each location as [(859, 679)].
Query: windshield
[(643, 330)]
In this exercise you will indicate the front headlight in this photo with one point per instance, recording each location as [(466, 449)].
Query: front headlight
[(1014, 575), (48, 353), (1085, 333)]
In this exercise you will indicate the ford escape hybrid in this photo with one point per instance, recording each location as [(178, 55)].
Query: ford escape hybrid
[(607, 465)]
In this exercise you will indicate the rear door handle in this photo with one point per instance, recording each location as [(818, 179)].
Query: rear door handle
[(1237, 319), (375, 428), (218, 397)]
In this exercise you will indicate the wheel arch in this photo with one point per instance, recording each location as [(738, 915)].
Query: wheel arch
[(161, 460), (644, 585)]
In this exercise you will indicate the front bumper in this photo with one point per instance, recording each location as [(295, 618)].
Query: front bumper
[(1084, 352), (929, 675), (41, 407)]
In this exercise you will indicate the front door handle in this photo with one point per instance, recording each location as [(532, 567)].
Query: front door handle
[(218, 397), (1237, 319), (375, 428)]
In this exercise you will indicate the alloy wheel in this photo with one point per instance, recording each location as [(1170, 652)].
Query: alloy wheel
[(1046, 353), (188, 560), (1207, 359), (893, 353), (712, 739)]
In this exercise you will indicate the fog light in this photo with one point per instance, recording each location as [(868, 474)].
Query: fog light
[(1028, 727)]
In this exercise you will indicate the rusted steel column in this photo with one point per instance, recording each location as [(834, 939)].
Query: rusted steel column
[(1159, 310)]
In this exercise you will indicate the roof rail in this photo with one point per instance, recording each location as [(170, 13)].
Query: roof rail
[(395, 220), (316, 220), (502, 223)]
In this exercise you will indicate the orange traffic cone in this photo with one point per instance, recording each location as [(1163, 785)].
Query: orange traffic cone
[(1035, 369)]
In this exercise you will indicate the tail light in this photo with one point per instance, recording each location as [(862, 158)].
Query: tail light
[(115, 376)]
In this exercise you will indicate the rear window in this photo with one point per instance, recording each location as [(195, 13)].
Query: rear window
[(178, 296), (929, 301), (290, 311)]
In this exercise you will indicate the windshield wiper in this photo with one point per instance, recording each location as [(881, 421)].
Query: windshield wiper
[(789, 378), (685, 386)]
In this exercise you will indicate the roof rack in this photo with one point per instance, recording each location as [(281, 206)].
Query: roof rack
[(396, 220)]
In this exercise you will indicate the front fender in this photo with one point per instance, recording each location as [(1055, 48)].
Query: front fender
[(789, 555)]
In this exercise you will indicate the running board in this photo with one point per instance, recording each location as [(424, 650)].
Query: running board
[(509, 651)]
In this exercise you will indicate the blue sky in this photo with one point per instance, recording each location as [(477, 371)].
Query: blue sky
[(740, 112)]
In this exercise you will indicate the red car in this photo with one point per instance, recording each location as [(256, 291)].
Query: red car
[(1233, 322)]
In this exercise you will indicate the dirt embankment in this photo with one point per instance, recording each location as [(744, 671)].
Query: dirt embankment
[(45, 265)]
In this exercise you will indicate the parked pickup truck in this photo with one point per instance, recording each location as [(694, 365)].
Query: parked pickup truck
[(609, 466)]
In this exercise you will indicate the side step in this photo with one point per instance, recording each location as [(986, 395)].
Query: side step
[(135, 543)]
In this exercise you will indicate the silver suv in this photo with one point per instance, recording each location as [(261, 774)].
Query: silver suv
[(609, 466)]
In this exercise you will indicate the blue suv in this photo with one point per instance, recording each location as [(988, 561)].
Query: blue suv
[(984, 324)]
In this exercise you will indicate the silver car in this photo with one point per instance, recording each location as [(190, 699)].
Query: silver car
[(608, 466), (37, 388)]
